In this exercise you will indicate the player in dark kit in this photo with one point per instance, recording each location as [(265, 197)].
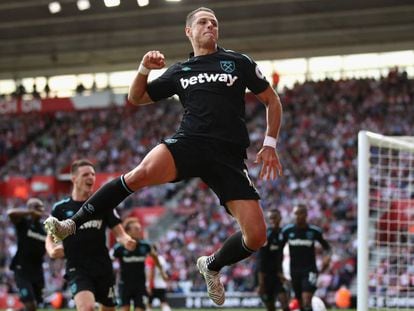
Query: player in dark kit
[(88, 266), (270, 272), (28, 260), (301, 238), (132, 281), (210, 143)]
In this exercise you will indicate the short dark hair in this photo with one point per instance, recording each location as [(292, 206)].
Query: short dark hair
[(274, 211), (127, 223), (303, 207), (190, 16), (79, 163)]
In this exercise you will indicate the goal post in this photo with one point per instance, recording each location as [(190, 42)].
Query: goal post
[(385, 236)]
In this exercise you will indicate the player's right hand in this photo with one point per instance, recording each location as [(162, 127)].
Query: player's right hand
[(271, 166), (128, 242), (153, 60)]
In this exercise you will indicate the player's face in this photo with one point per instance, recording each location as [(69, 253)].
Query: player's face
[(274, 219), (301, 215), (135, 231), (203, 30), (84, 178)]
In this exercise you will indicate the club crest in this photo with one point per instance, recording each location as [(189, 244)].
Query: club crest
[(227, 65)]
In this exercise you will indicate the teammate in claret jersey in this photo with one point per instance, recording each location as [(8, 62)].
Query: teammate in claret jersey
[(301, 238), (210, 143), (28, 260), (88, 265)]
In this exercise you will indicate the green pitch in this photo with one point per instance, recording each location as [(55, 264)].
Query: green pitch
[(210, 309)]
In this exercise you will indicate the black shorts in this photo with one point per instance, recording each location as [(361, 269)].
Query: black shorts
[(304, 281), (273, 286), (101, 286), (29, 289), (159, 293), (131, 293), (219, 164)]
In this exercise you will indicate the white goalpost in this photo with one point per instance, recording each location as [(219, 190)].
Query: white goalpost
[(385, 279)]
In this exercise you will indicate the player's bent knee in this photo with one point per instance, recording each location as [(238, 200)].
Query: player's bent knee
[(86, 307), (255, 240)]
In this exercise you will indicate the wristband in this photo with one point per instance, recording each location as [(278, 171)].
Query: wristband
[(270, 141), (143, 70)]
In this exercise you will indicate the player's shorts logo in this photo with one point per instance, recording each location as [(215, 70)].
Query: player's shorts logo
[(170, 141), (227, 65)]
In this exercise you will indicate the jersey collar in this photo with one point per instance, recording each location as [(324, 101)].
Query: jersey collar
[(191, 54)]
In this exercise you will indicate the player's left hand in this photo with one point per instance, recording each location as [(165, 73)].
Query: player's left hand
[(271, 166)]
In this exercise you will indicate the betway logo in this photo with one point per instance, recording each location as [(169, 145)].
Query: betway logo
[(274, 247), (92, 224), (207, 78), (35, 235), (134, 259), (300, 242)]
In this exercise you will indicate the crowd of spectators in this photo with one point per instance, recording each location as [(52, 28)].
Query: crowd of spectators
[(317, 147), (16, 133)]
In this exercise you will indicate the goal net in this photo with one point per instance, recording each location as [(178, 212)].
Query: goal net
[(385, 222)]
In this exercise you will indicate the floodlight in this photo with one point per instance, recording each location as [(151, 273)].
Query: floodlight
[(54, 7), (143, 2), (111, 3), (83, 5)]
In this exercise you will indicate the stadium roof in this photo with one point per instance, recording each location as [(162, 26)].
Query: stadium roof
[(35, 42)]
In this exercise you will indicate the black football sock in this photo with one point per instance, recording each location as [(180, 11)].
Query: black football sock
[(107, 197), (233, 250)]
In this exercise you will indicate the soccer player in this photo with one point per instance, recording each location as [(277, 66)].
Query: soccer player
[(301, 238), (210, 143), (132, 281), (88, 266), (28, 260), (270, 272), (157, 281)]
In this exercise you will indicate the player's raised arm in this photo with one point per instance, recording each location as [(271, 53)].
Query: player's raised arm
[(137, 94), (268, 156)]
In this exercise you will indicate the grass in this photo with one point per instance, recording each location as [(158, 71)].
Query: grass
[(210, 309), (226, 309)]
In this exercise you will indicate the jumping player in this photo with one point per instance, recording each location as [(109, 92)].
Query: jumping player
[(210, 143)]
